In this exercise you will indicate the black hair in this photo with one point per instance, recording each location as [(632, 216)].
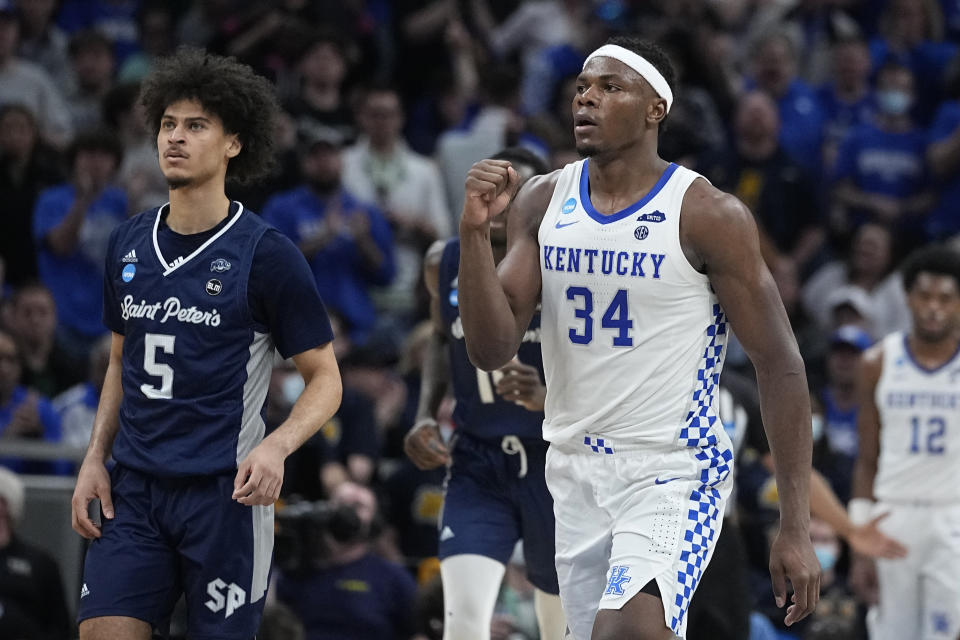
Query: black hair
[(938, 259), (119, 100), (88, 39), (100, 139), (652, 53), (519, 155), (244, 101)]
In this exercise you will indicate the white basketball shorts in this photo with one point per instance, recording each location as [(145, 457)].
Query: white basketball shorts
[(628, 514)]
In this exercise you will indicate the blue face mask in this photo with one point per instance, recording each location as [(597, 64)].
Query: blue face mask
[(894, 103), (826, 556)]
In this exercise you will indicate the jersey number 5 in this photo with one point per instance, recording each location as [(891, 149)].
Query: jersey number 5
[(151, 343)]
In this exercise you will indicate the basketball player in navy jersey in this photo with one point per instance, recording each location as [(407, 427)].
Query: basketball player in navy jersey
[(199, 294), (495, 491), (638, 265)]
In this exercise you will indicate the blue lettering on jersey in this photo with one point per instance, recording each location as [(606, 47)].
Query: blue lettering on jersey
[(618, 578), (922, 400), (569, 206), (622, 263), (128, 272)]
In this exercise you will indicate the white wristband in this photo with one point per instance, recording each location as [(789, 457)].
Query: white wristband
[(859, 511)]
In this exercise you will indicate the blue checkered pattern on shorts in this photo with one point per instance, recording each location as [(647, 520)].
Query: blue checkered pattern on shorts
[(597, 445), (699, 428), (699, 536)]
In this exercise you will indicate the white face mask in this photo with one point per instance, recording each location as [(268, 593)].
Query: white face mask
[(893, 102), (291, 388)]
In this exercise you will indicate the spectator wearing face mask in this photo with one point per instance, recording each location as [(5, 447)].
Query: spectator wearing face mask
[(880, 174)]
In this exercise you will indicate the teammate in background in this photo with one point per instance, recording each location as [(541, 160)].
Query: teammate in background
[(634, 322), (908, 460), (495, 490), (199, 294)]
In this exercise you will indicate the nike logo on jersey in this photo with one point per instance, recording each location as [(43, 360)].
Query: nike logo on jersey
[(561, 225), (659, 481), (446, 534)]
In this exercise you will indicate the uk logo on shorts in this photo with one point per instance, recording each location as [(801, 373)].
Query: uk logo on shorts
[(128, 272), (618, 578)]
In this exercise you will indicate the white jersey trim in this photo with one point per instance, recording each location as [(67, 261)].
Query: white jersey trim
[(171, 267)]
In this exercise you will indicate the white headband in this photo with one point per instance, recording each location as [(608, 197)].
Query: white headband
[(639, 64)]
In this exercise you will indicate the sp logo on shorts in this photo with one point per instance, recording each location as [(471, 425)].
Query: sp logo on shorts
[(214, 287), (225, 596), (618, 578)]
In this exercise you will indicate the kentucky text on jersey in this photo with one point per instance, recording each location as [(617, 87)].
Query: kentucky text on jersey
[(922, 400), (171, 309), (636, 264)]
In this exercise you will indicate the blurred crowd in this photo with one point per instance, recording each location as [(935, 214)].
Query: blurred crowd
[(836, 121)]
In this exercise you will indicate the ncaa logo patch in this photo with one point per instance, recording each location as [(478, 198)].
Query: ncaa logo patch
[(220, 265), (641, 232), (569, 206), (128, 272), (214, 287), (454, 298)]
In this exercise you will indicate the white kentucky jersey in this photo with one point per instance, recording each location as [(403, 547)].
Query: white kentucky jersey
[(633, 336), (919, 427)]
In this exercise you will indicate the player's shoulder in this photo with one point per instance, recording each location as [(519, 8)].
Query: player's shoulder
[(705, 202)]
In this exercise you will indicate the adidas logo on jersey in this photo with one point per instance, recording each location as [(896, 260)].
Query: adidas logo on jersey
[(131, 256), (84, 592), (446, 534)]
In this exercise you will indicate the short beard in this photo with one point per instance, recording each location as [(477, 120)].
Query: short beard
[(176, 183), (587, 151)]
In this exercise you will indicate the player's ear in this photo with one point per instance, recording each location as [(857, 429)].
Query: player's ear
[(233, 145), (657, 110)]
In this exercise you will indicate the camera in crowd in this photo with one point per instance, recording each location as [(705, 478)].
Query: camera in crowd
[(309, 534)]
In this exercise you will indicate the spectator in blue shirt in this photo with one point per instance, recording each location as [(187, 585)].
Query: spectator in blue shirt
[(847, 99), (910, 35), (71, 226), (348, 243), (77, 406), (24, 413), (943, 158), (880, 172), (774, 64)]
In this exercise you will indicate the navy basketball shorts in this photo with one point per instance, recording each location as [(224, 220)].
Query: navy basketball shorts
[(180, 536), (490, 505)]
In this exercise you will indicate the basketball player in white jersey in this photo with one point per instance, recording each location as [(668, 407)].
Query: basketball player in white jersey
[(909, 454), (638, 264)]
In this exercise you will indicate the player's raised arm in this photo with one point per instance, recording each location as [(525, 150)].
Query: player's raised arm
[(720, 236), (496, 304)]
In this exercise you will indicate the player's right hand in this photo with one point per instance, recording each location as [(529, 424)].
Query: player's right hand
[(490, 186), (93, 481), (424, 446)]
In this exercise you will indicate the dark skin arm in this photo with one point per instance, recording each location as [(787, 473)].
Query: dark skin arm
[(497, 303), (863, 575), (719, 237), (423, 444)]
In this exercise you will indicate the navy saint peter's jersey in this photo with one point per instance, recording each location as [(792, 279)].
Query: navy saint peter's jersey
[(480, 411), (200, 330)]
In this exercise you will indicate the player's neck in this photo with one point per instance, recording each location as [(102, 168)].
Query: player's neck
[(618, 181), (194, 209), (933, 354)]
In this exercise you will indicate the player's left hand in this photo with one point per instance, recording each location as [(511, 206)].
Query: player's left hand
[(868, 540), (521, 384), (792, 558), (260, 475)]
